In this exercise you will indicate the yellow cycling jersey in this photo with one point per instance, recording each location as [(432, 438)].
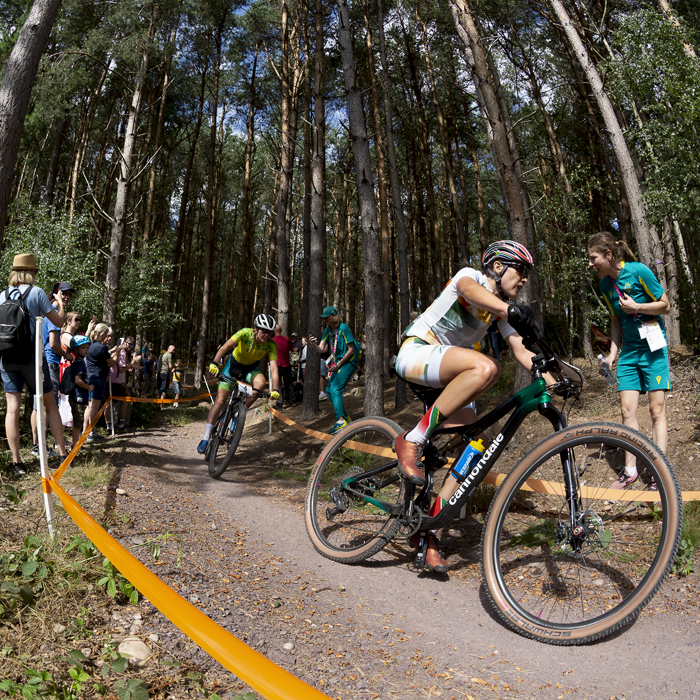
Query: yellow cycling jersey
[(248, 350)]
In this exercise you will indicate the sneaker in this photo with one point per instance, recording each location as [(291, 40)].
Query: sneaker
[(121, 426), (339, 425), (202, 447), (653, 486), (51, 453), (35, 450), (409, 454), (19, 470), (624, 480), (322, 396), (93, 437)]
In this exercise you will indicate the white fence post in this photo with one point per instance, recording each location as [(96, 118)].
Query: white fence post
[(41, 422)]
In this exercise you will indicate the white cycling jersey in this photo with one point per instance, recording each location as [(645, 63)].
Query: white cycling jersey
[(452, 320)]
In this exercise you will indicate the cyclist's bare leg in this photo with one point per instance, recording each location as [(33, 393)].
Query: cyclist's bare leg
[(215, 411), (259, 384), (464, 417), (465, 374)]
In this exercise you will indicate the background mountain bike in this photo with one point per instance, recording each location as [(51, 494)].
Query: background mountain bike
[(565, 559), (227, 434)]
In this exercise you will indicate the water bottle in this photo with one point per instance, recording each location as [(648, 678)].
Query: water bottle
[(471, 455), (608, 373)]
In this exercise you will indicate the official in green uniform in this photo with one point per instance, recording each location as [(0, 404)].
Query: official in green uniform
[(635, 299)]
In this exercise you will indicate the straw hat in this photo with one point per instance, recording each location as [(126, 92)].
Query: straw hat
[(25, 261)]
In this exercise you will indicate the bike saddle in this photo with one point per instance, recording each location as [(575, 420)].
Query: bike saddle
[(427, 394)]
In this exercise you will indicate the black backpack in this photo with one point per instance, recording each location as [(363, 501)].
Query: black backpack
[(16, 344), (68, 381)]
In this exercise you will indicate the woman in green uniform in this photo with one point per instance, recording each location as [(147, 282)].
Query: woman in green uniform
[(635, 298)]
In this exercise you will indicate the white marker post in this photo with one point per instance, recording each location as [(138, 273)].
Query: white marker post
[(204, 376), (41, 421)]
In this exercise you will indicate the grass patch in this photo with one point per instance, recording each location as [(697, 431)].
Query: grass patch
[(89, 471), (291, 474), (690, 539)]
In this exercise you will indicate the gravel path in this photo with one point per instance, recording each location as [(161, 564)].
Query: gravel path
[(375, 630)]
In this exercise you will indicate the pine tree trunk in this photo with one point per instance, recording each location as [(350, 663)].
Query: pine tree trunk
[(318, 221), (494, 119), (109, 313), (622, 153), (245, 297), (209, 223), (16, 89), (50, 187), (371, 235), (381, 189)]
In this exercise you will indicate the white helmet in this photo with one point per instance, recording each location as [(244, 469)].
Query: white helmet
[(265, 322)]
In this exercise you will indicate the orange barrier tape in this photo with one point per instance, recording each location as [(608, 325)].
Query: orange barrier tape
[(76, 448), (137, 399), (253, 668), (496, 479)]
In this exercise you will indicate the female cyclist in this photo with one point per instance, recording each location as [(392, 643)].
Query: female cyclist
[(437, 353), (247, 348)]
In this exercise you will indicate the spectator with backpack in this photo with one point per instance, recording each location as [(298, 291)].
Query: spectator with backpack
[(20, 304)]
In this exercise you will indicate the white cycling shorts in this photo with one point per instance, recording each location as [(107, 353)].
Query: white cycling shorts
[(419, 363)]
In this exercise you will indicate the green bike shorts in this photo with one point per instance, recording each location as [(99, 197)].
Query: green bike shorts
[(639, 369), (235, 370)]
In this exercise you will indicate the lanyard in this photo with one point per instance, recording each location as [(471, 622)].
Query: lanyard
[(619, 295)]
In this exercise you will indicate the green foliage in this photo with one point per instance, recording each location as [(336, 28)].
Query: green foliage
[(13, 495), (61, 249), (133, 689), (23, 574), (690, 541), (653, 73), (684, 559)]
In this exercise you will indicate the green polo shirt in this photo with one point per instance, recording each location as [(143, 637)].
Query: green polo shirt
[(636, 281)]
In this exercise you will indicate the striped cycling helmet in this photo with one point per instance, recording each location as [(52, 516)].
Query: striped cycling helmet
[(507, 252)]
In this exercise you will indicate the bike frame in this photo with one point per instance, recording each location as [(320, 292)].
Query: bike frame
[(534, 397)]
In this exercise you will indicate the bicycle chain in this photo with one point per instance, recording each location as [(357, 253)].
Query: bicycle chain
[(404, 531)]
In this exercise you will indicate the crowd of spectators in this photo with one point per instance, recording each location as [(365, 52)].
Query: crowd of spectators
[(81, 369)]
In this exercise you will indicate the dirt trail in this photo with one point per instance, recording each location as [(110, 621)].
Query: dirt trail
[(371, 630)]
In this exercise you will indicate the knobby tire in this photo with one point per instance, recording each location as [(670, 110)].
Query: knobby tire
[(362, 529), (557, 593), (226, 438)]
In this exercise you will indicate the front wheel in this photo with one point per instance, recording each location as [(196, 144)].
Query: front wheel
[(573, 569), (225, 441), (355, 491)]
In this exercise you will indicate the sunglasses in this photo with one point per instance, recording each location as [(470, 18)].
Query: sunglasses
[(520, 268)]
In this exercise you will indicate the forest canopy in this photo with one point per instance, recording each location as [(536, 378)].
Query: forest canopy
[(187, 164)]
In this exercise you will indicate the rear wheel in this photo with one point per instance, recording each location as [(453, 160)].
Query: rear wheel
[(570, 580), (225, 441), (354, 482)]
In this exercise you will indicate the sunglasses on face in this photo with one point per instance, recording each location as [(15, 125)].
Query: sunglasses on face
[(520, 268)]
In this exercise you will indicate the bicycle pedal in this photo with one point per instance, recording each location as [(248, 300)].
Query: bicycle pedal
[(419, 561)]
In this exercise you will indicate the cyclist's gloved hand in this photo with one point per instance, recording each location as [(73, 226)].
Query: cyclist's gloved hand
[(213, 369), (521, 318), (274, 395)]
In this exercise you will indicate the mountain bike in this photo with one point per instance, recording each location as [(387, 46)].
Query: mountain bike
[(565, 559), (229, 428)]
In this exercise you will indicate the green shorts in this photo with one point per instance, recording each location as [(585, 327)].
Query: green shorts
[(227, 383), (638, 369)]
